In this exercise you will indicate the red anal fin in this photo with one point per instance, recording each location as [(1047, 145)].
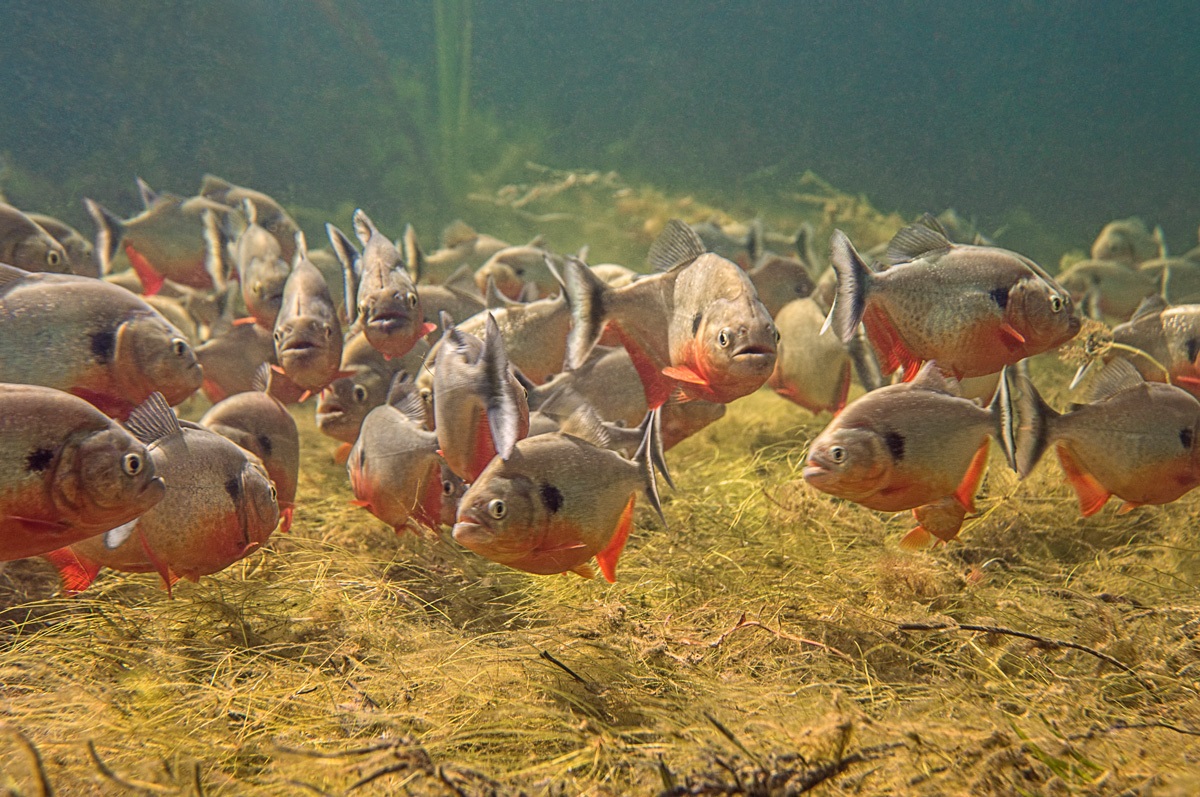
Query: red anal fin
[(916, 539), (428, 511), (839, 401), (151, 280), (77, 574), (163, 569), (658, 388), (886, 340), (607, 559), (360, 503), (342, 453), (285, 515), (245, 322), (1128, 507), (1092, 494), (973, 478)]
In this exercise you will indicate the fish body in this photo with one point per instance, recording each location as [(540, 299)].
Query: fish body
[(81, 255), (394, 467), (907, 446), (1169, 335), (461, 246), (450, 299), (973, 309), (262, 268), (67, 472), (1104, 288), (104, 344), (480, 407), (812, 370), (269, 215), (556, 502), (1128, 241), (382, 298), (219, 507), (780, 280), (697, 326), (1177, 277), (261, 424), (165, 241), (368, 374), (308, 334), (515, 266), (232, 359), (1132, 439), (26, 245)]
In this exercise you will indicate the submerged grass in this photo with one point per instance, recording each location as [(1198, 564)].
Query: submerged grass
[(771, 640)]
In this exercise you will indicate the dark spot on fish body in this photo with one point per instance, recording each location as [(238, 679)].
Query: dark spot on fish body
[(1185, 437), (264, 442), (104, 345), (696, 324), (234, 487), (999, 296), (895, 444), (38, 460), (551, 497), (1193, 348)]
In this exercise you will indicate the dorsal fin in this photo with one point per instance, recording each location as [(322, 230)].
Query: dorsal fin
[(584, 423), (1151, 305), (364, 228), (414, 258), (917, 240), (149, 195), (262, 378), (211, 185), (250, 211), (462, 277), (1115, 377), (301, 249), (153, 420), (458, 232), (347, 255), (493, 299), (930, 377), (405, 398), (677, 246), (10, 274)]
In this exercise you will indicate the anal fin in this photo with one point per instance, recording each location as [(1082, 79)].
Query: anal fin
[(607, 559), (1092, 495), (152, 281), (973, 478)]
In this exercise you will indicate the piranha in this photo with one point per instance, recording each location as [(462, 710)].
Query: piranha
[(308, 334), (516, 266), (1128, 242), (974, 309), (219, 507), (381, 296), (95, 340), (395, 469), (1104, 288), (558, 500), (480, 406), (346, 401), (462, 247), (911, 446), (260, 263), (26, 245), (696, 325), (1131, 438), (268, 214), (81, 255), (232, 359), (67, 472), (261, 424), (166, 241), (812, 370), (1157, 337)]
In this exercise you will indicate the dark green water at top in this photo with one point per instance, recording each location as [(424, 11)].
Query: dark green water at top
[(1077, 112)]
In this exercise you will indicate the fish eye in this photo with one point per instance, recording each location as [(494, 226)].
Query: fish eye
[(278, 335), (274, 494), (1056, 304), (447, 487), (53, 258), (520, 272), (724, 338), (131, 464), (360, 393), (179, 346), (838, 454), (497, 509), (777, 335), (412, 301)]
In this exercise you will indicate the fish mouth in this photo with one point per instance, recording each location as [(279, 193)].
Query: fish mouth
[(390, 322), (751, 350), (299, 345), (469, 533)]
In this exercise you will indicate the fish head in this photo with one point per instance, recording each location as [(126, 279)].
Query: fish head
[(736, 342), (1043, 312), (392, 317), (346, 401), (262, 287), (498, 517), (109, 473), (151, 354), (779, 280), (453, 489), (508, 278), (849, 462), (259, 503), (309, 349)]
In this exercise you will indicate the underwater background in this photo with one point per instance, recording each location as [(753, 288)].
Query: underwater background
[(1067, 113)]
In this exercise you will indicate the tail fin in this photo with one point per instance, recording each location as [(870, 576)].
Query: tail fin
[(587, 295), (216, 250), (1023, 421), (650, 456), (109, 232), (853, 283)]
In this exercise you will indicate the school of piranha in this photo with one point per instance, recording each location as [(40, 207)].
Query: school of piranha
[(525, 398)]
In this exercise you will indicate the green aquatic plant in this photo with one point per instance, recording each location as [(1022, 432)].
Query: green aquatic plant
[(452, 31)]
